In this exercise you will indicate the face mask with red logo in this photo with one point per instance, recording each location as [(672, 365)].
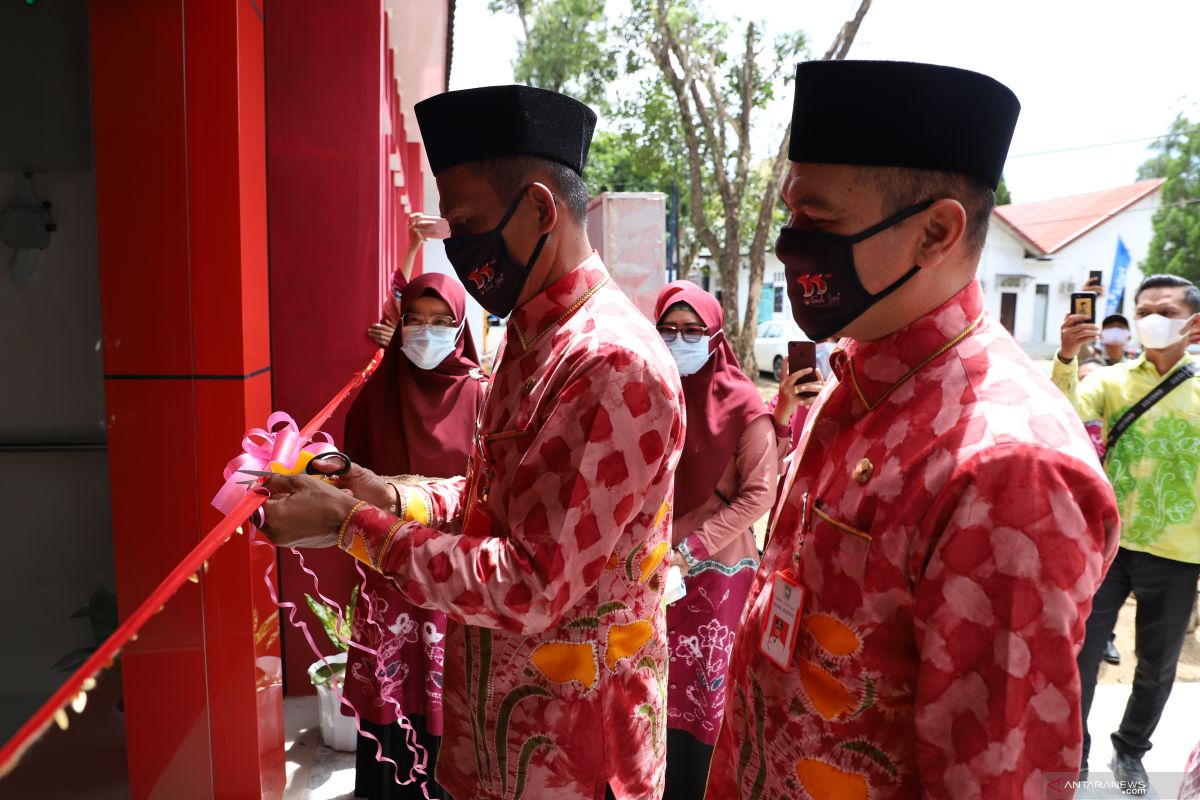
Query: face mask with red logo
[(485, 268), (822, 281)]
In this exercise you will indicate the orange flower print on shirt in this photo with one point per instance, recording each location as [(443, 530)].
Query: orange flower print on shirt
[(563, 662), (825, 782), (626, 640)]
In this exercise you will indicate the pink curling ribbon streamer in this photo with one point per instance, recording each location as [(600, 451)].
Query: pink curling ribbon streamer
[(420, 755), (281, 448)]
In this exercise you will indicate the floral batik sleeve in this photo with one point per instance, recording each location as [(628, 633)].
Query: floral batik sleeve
[(998, 614), (585, 473), (445, 499)]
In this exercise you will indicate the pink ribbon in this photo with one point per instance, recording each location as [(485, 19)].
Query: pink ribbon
[(418, 772), (281, 448)]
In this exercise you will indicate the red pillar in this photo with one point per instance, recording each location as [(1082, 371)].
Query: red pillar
[(178, 106)]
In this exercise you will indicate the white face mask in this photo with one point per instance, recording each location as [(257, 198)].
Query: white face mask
[(690, 356), (1114, 336), (1157, 332), (427, 346)]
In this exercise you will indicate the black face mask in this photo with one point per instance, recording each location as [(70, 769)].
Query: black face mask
[(485, 268), (822, 280)]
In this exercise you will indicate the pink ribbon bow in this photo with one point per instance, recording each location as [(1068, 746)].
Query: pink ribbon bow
[(281, 448)]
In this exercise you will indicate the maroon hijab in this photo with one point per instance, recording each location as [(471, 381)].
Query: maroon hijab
[(721, 401), (408, 420)]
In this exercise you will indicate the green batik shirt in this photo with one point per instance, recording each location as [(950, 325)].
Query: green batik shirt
[(1155, 465)]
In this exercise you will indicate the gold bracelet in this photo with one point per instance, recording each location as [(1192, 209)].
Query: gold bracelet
[(346, 523), (387, 541)]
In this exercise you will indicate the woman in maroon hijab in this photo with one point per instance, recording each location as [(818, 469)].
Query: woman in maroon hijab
[(416, 416), (724, 484)]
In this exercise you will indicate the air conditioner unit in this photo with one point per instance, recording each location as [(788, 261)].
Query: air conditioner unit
[(1066, 287)]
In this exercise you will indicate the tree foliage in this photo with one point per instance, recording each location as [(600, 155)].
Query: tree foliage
[(702, 85), (1003, 197), (566, 47), (1175, 248)]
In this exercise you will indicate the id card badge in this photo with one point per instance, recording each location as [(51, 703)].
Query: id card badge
[(781, 627)]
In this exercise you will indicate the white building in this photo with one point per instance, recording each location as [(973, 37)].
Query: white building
[(1037, 254)]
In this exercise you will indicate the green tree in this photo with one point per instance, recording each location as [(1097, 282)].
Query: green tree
[(1175, 248), (702, 84), (1003, 198), (721, 77), (565, 47)]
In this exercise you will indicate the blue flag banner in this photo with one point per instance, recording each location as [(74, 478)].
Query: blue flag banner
[(1116, 285)]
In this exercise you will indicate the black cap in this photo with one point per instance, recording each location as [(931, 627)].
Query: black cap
[(497, 121), (1114, 318), (901, 114)]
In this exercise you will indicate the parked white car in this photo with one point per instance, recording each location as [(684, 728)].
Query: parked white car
[(770, 348)]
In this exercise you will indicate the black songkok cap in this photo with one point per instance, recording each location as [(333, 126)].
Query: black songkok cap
[(900, 114), (497, 121)]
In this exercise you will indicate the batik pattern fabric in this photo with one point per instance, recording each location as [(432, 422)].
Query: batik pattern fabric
[(409, 647), (549, 557), (716, 539), (1155, 465), (949, 521)]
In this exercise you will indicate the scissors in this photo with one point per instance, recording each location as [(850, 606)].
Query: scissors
[(309, 469)]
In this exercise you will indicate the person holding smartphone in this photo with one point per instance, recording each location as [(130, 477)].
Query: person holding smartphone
[(798, 390), (724, 484), (1149, 407)]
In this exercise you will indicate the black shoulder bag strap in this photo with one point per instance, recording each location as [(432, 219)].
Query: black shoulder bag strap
[(1177, 379)]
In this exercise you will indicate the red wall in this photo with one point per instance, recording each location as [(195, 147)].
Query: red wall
[(334, 229), (178, 108)]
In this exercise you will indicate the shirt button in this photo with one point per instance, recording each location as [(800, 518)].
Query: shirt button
[(672, 686)]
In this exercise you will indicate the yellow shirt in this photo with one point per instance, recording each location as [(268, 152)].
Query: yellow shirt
[(1155, 465)]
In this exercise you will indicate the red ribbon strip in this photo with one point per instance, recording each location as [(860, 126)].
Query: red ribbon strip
[(37, 724)]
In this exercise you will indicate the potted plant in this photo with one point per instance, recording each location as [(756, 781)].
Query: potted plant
[(337, 731)]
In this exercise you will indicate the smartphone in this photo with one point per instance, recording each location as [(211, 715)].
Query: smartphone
[(1096, 277), (1084, 303), (803, 355)]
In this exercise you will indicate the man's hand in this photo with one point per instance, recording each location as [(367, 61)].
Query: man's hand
[(1077, 330), (381, 333), (364, 484), (304, 511)]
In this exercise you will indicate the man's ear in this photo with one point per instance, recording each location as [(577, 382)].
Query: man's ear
[(945, 228), (543, 202)]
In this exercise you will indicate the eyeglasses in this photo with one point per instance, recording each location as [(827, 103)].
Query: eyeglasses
[(691, 333), (436, 321)]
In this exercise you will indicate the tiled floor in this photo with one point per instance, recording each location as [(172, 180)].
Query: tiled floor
[(314, 772), (317, 773)]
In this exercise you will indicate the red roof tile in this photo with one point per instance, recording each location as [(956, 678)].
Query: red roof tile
[(1051, 225)]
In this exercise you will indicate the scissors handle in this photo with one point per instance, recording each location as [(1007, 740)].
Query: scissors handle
[(329, 458)]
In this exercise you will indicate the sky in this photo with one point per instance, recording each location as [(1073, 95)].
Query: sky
[(1090, 75)]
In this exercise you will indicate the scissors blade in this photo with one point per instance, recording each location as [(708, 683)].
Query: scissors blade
[(258, 472)]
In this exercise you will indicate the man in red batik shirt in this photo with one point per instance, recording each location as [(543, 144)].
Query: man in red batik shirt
[(944, 514), (548, 557)]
